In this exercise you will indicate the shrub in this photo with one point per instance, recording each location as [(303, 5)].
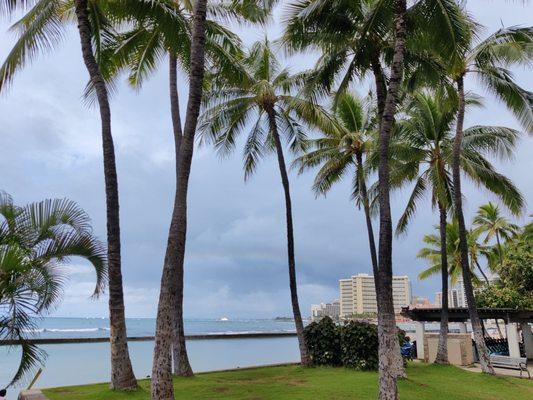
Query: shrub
[(353, 345), (359, 345), (323, 342)]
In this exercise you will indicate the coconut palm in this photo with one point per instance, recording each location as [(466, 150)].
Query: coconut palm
[(357, 37), (264, 102), (426, 134), (161, 385), (36, 241), (41, 29), (488, 60), (490, 222), (162, 29), (342, 151)]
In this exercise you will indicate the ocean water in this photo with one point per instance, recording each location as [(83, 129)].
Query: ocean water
[(81, 363), (99, 327)]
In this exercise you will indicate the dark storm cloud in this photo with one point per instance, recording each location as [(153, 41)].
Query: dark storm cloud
[(236, 252)]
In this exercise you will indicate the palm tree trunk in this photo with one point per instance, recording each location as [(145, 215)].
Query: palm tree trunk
[(442, 350), (366, 207), (381, 87), (122, 376), (162, 388), (304, 355), (484, 359), (182, 366), (387, 332), (499, 248), (482, 273), (381, 94)]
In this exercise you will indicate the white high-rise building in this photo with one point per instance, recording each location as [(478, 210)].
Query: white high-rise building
[(456, 296), (358, 294), (321, 310)]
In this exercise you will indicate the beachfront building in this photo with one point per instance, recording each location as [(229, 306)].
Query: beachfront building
[(332, 310), (358, 294)]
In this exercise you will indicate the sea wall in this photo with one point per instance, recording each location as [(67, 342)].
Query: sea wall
[(257, 335), (32, 394)]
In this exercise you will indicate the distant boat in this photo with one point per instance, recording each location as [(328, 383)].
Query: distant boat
[(224, 319)]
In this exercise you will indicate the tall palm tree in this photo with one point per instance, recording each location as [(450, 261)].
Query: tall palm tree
[(162, 387), (488, 60), (358, 37), (343, 151), (489, 221), (158, 29), (427, 138), (266, 94), (36, 240), (41, 29), (387, 337)]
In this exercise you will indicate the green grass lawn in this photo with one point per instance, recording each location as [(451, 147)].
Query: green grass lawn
[(431, 382)]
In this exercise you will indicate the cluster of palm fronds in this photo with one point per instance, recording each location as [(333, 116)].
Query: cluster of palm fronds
[(35, 241), (488, 239)]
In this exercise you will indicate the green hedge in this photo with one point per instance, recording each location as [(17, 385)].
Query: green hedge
[(353, 345), (323, 342)]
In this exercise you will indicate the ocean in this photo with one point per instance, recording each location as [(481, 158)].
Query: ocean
[(81, 363)]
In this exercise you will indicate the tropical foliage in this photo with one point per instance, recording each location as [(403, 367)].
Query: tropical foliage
[(407, 131), (36, 242)]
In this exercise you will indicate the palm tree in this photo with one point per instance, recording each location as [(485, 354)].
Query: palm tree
[(488, 60), (36, 240), (427, 140), (489, 221), (158, 29), (343, 151), (357, 37), (265, 93), (162, 387), (41, 29), (433, 250)]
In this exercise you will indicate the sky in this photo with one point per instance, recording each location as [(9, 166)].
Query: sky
[(235, 266)]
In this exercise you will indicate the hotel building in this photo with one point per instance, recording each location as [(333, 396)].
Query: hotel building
[(358, 294), (332, 310)]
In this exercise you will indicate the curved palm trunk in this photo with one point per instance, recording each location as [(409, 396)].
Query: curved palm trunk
[(182, 366), (484, 359), (482, 273), (162, 388), (304, 355), (499, 248), (442, 350), (122, 376), (368, 218), (387, 333)]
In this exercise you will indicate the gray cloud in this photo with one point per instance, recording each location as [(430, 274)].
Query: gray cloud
[(236, 254)]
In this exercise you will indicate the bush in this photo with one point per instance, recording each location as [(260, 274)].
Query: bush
[(353, 345), (323, 342), (359, 345)]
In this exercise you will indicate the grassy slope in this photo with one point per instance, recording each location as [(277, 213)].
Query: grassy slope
[(426, 382)]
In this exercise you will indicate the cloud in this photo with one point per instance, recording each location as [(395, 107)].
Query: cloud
[(236, 260)]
